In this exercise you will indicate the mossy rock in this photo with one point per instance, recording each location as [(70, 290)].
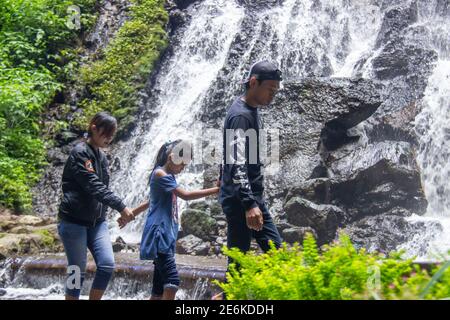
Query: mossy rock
[(36, 241), (199, 205), (212, 208), (198, 223), (31, 220), (47, 238)]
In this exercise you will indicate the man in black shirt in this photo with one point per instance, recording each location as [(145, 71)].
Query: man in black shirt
[(241, 192)]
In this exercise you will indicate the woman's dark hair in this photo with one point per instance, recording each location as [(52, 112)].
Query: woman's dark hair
[(104, 122)]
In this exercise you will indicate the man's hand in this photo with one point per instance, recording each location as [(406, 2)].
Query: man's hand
[(254, 219), (125, 216)]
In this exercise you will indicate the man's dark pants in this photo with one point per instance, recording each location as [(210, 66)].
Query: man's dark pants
[(240, 236)]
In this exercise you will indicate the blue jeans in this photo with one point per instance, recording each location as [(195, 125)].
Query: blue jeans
[(76, 240), (165, 274)]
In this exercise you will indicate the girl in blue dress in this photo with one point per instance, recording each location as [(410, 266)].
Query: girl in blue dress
[(161, 227)]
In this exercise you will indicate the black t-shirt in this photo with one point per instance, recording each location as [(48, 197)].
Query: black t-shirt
[(242, 180)]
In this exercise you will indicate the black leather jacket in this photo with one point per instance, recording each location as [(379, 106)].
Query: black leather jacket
[(85, 184)]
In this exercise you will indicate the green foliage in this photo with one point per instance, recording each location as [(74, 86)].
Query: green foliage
[(339, 271), (47, 238), (112, 82), (33, 57), (38, 54)]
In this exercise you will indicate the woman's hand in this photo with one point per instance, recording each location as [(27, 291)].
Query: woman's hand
[(125, 216)]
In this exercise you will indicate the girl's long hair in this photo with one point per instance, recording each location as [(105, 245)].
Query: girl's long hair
[(163, 153)]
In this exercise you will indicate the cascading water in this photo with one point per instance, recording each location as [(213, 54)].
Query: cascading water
[(182, 82), (433, 128)]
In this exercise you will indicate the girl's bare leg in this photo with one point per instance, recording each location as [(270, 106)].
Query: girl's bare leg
[(96, 294), (169, 293)]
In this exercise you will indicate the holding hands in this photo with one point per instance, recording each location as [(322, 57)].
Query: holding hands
[(128, 215), (131, 214), (125, 216)]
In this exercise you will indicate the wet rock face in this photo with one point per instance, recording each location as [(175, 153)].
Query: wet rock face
[(313, 113), (178, 15), (405, 60), (112, 14), (393, 228), (192, 245), (395, 21), (397, 126), (323, 219), (370, 171), (259, 4), (384, 180), (183, 4), (376, 179), (395, 60), (351, 179)]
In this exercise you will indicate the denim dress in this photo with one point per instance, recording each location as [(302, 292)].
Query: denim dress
[(161, 226)]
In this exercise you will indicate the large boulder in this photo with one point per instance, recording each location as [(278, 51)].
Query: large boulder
[(297, 234), (198, 223), (398, 125), (323, 219), (376, 178), (192, 245), (311, 115)]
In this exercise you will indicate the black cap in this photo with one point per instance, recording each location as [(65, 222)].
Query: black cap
[(264, 70)]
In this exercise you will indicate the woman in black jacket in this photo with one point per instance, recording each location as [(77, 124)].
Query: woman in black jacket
[(82, 212)]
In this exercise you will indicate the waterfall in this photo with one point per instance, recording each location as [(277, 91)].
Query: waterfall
[(433, 128), (181, 84)]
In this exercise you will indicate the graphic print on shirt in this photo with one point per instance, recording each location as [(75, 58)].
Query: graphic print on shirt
[(174, 208)]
